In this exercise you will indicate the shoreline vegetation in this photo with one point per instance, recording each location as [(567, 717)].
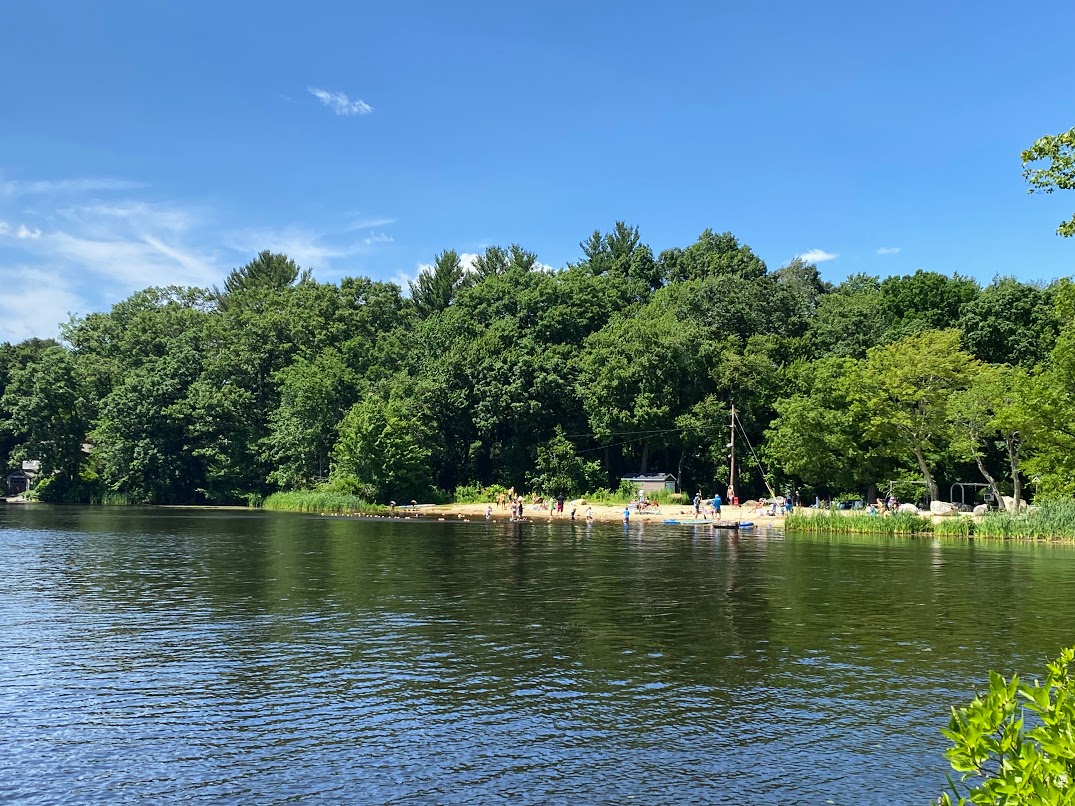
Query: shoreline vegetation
[(568, 380), (1052, 520)]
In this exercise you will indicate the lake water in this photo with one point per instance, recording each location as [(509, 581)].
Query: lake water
[(255, 657)]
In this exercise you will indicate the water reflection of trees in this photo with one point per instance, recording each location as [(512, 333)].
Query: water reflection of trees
[(439, 604)]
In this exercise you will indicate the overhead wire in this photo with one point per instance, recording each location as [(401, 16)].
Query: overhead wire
[(757, 461)]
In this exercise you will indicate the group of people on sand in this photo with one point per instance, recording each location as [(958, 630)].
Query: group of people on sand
[(553, 505), (704, 507), (883, 507), (773, 506)]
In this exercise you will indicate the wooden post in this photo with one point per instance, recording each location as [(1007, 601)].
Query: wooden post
[(732, 501)]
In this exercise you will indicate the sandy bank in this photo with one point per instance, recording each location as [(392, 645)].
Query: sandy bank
[(603, 513)]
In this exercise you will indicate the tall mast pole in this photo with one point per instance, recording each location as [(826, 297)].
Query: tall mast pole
[(731, 455)]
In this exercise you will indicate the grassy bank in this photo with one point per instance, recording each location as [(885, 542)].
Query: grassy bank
[(316, 501), (1052, 520), (836, 522)]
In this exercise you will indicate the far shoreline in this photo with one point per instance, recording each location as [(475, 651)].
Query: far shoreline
[(601, 513)]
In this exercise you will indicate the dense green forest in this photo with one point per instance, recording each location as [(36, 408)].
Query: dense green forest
[(506, 372)]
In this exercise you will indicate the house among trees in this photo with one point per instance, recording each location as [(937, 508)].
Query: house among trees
[(652, 482), (21, 480)]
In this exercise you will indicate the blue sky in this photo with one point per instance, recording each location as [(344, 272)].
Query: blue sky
[(158, 143)]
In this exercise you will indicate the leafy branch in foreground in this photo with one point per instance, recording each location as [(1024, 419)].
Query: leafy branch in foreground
[(1002, 761), (1059, 149)]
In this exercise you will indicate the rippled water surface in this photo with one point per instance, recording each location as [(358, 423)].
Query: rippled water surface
[(257, 657)]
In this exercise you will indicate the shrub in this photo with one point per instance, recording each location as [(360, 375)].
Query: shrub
[(621, 495), (560, 470), (952, 527), (1052, 519), (469, 494), (1004, 761), (835, 522), (320, 500)]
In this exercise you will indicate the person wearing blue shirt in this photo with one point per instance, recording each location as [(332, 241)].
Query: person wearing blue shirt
[(716, 505)]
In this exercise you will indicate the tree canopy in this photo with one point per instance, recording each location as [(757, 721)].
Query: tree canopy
[(506, 371)]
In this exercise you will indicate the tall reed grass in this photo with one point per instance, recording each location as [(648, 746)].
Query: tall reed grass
[(113, 500), (1051, 520), (836, 522), (953, 527), (320, 501)]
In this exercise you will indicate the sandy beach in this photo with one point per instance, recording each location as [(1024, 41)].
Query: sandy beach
[(603, 513)]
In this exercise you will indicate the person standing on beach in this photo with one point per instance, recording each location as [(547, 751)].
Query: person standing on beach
[(716, 506), (627, 514), (698, 505), (589, 514)]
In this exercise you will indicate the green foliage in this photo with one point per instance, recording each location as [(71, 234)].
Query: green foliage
[(851, 320), (477, 494), (268, 270), (314, 396), (383, 449), (184, 395), (713, 255), (1059, 174), (925, 300), (818, 437), (49, 416), (324, 501), (841, 522), (1004, 759), (559, 470), (901, 396), (1050, 520), (436, 286), (1009, 322), (953, 527), (623, 494)]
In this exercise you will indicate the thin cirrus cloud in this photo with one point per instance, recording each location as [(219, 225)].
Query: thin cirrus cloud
[(339, 103), (85, 244), (54, 187), (21, 232), (889, 250), (817, 256)]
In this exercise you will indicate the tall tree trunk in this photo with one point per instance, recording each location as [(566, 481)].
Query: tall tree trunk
[(931, 485), (645, 456), (992, 481), (1012, 441)]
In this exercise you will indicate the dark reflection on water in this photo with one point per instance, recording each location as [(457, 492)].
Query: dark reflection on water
[(258, 657)]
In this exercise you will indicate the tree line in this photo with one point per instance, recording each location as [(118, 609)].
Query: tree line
[(507, 372)]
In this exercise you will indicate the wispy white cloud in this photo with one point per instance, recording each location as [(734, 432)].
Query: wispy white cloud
[(818, 256), (87, 244), (370, 223), (46, 187), (34, 300), (21, 233), (466, 260), (74, 253), (375, 238), (404, 280), (339, 103), (889, 250), (307, 248)]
